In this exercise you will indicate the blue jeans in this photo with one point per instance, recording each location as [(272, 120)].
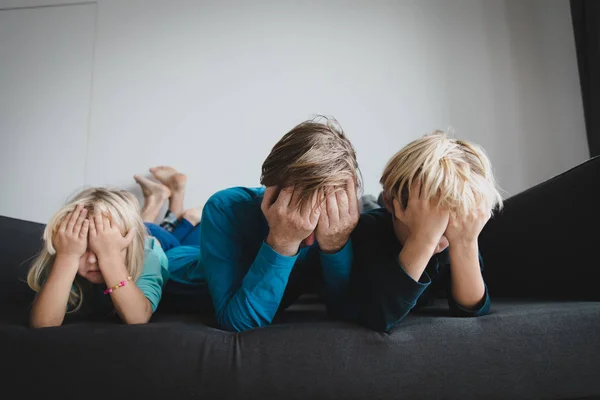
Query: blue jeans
[(184, 234), (180, 294)]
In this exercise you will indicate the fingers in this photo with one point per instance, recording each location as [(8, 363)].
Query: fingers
[(74, 217), (295, 201), (129, 237), (398, 211), (315, 209), (98, 223), (352, 196), (415, 191), (285, 196), (333, 212), (92, 226), (79, 224), (63, 225), (269, 197), (342, 202), (106, 222), (84, 228)]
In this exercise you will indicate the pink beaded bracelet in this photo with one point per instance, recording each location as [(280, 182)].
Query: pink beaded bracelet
[(118, 285)]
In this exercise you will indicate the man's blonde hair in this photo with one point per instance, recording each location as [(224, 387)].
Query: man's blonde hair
[(311, 156), (456, 173), (123, 210)]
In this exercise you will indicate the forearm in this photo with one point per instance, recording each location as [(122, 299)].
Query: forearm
[(50, 305), (466, 282), (129, 301), (336, 269), (256, 300), (415, 256)]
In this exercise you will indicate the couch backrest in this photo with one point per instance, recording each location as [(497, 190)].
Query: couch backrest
[(549, 231), (20, 242)]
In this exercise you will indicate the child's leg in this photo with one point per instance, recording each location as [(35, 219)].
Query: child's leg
[(155, 195), (539, 245), (190, 227), (175, 181), (164, 237)]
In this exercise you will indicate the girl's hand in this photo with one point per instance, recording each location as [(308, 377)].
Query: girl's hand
[(106, 240), (71, 238)]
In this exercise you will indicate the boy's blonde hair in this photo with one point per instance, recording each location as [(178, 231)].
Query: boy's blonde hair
[(456, 173), (123, 210), (311, 156)]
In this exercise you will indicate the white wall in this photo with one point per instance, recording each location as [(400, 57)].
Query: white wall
[(209, 87)]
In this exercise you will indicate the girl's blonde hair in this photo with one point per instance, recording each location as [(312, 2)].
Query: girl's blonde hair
[(456, 173), (123, 210)]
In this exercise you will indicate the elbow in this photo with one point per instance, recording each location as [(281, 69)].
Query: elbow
[(233, 323), (137, 320), (37, 323), (479, 310), (140, 319)]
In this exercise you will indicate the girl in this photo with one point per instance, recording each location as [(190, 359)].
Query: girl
[(96, 249)]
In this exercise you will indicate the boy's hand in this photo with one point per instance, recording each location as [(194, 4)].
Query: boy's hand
[(426, 221), (289, 224), (71, 238), (339, 216), (466, 229), (106, 240)]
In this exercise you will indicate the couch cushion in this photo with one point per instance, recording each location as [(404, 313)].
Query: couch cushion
[(522, 350)]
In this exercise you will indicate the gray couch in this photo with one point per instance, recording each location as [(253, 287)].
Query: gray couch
[(541, 340)]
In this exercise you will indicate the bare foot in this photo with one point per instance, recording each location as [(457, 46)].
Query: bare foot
[(153, 189), (155, 195), (170, 177), (192, 215)]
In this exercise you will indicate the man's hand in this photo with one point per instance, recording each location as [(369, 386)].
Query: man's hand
[(464, 230), (289, 224), (107, 241), (339, 216)]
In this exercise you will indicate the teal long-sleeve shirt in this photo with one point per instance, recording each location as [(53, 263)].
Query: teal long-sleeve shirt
[(249, 281), (382, 292)]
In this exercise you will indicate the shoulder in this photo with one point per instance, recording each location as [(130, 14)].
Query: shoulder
[(235, 196), (233, 208), (374, 222), (155, 259)]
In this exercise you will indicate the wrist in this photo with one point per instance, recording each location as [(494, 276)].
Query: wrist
[(66, 263), (68, 256), (110, 260), (113, 270), (333, 247), (283, 247), (464, 244), (424, 241)]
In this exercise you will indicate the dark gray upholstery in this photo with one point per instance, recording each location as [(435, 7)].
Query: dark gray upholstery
[(526, 348)]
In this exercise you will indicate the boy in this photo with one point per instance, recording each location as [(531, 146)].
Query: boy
[(438, 194)]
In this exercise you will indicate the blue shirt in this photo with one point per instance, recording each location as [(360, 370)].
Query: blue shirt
[(155, 272), (249, 281), (382, 292)]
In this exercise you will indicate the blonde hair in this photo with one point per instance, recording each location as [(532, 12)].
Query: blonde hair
[(311, 156), (123, 210), (457, 173)]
